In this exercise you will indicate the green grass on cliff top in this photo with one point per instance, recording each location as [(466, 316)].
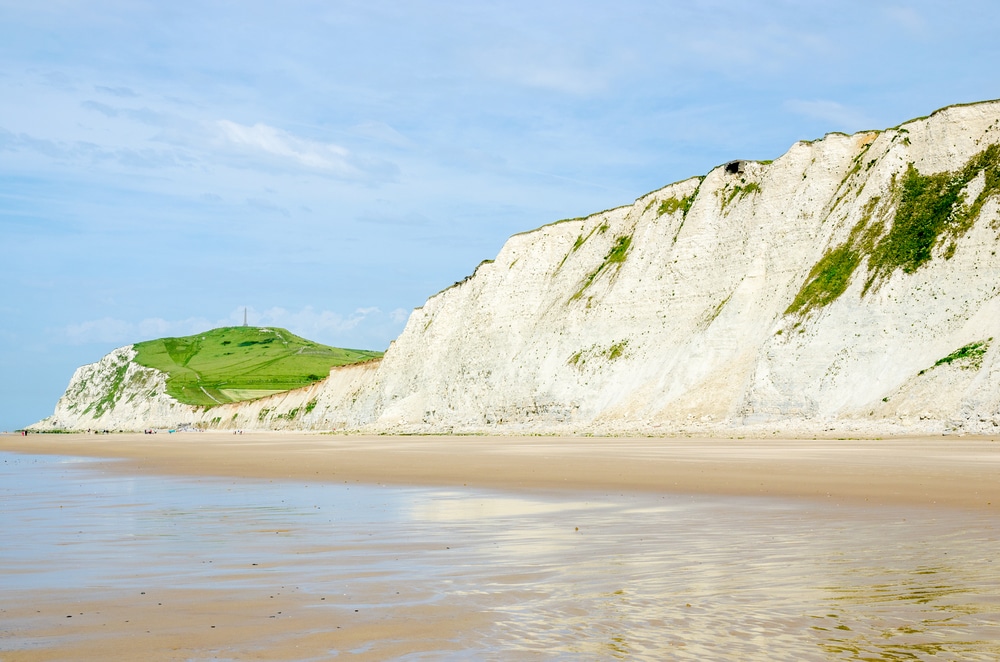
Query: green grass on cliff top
[(241, 363)]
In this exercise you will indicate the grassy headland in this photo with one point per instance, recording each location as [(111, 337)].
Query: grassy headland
[(241, 363)]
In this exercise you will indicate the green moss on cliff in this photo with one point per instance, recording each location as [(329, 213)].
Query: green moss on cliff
[(618, 251), (931, 213), (112, 394), (828, 279), (615, 257), (969, 357), (596, 355), (738, 191), (616, 350), (675, 204)]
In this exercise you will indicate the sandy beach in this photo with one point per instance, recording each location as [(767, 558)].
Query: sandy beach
[(515, 576), (925, 471)]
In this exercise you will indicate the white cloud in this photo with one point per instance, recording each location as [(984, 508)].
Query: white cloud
[(364, 328), (309, 322), (269, 146), (275, 142)]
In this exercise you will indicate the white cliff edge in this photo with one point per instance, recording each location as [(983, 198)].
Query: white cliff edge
[(686, 311)]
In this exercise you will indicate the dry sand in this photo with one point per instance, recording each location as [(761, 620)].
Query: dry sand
[(171, 623), (944, 471)]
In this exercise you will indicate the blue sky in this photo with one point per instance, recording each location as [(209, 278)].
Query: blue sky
[(330, 165)]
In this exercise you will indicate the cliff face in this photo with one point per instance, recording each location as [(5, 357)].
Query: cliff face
[(852, 284), (115, 393)]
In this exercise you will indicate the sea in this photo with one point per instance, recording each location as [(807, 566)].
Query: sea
[(558, 575)]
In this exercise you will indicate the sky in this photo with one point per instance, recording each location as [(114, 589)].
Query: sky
[(327, 166)]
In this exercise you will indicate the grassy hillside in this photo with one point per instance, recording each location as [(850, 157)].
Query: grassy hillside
[(241, 363)]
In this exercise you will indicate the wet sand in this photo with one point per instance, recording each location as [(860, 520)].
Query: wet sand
[(925, 471), (211, 624), (683, 595)]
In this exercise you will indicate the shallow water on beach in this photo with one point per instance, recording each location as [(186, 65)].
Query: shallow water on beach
[(561, 575)]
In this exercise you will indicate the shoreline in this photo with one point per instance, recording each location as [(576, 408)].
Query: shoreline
[(920, 471)]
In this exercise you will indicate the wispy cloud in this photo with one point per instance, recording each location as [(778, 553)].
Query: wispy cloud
[(545, 69), (908, 19), (268, 142), (184, 141), (410, 220), (728, 49), (840, 116), (81, 151), (119, 91), (268, 206), (59, 80), (117, 331), (557, 77), (141, 115), (382, 133), (312, 323)]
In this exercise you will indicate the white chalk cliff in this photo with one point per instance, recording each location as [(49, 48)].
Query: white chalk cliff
[(852, 284)]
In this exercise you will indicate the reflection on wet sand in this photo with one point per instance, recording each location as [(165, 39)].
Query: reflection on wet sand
[(105, 566), (760, 580), (882, 612)]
